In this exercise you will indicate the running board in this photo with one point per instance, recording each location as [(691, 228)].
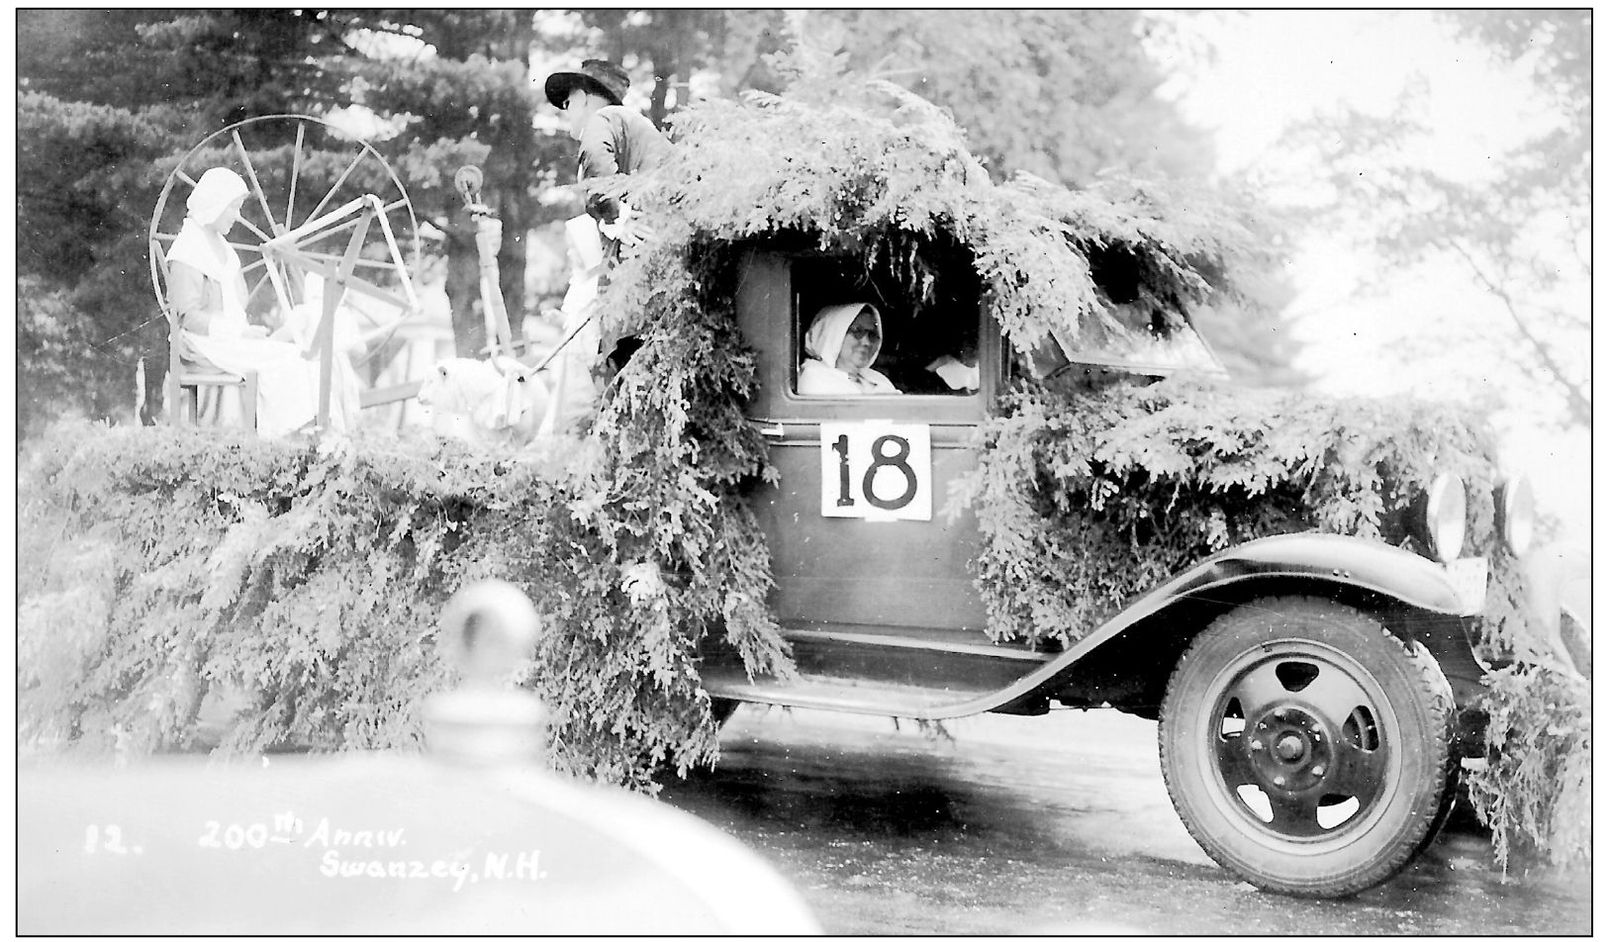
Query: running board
[(888, 672)]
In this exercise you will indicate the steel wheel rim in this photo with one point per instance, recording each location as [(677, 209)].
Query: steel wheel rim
[(1358, 756)]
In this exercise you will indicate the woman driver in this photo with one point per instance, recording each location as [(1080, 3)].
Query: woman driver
[(841, 345)]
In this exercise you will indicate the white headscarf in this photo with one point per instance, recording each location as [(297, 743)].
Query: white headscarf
[(823, 342), (216, 189)]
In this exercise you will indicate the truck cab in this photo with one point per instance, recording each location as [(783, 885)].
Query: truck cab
[(872, 568), (1307, 685)]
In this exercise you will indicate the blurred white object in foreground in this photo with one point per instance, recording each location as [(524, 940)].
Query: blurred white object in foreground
[(476, 838)]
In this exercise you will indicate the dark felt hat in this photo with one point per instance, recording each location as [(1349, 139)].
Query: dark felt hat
[(596, 75)]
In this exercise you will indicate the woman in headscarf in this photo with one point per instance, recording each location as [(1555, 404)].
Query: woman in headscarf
[(208, 294), (841, 345)]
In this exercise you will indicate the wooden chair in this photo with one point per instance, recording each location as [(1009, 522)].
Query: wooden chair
[(183, 386)]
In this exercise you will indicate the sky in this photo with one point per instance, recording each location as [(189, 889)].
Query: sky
[(1272, 69)]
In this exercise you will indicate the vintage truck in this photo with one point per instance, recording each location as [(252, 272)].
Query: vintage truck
[(1307, 686)]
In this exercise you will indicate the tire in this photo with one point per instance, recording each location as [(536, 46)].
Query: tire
[(1337, 770)]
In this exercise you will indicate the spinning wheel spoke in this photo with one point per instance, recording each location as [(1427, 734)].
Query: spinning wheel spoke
[(257, 286), (257, 188), (296, 170), (335, 187), (255, 231)]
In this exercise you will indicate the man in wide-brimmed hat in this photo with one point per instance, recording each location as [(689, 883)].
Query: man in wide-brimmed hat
[(614, 138)]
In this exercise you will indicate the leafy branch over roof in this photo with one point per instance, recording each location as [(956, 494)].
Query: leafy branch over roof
[(864, 166)]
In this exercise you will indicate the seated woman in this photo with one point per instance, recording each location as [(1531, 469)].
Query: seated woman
[(841, 345), (208, 293)]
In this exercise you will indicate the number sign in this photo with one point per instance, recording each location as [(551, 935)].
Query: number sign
[(876, 470)]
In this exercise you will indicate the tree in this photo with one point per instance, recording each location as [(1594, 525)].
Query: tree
[(1519, 229), (462, 79), (1061, 94)]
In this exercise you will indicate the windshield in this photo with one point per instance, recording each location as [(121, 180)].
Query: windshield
[(1127, 342)]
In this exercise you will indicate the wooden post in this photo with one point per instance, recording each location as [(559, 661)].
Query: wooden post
[(337, 277)]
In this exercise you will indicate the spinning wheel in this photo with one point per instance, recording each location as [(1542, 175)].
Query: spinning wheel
[(326, 223)]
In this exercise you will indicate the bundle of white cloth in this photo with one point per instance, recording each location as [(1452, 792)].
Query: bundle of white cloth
[(487, 402)]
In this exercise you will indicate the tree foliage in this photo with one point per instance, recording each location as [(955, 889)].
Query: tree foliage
[(161, 564), (1088, 496), (1520, 227)]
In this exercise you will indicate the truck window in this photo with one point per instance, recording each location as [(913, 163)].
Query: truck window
[(919, 346)]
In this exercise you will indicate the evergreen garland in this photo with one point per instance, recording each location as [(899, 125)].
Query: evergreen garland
[(1089, 496)]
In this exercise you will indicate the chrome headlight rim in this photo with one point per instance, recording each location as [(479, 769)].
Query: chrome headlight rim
[(1444, 517), (1515, 514)]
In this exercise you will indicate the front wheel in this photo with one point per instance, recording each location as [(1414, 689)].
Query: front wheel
[(1305, 747)]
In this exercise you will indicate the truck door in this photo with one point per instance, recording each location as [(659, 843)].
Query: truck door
[(855, 527)]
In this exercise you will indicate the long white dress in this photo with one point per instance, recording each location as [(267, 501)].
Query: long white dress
[(288, 381)]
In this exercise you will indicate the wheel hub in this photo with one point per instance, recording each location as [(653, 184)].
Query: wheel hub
[(1289, 749)]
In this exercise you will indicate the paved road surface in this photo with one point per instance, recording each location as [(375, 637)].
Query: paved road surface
[(1055, 824)]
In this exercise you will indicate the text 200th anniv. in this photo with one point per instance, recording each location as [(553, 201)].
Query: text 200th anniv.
[(343, 852)]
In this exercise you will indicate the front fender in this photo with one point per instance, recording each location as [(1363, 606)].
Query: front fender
[(1351, 561), (1125, 663), (1356, 561)]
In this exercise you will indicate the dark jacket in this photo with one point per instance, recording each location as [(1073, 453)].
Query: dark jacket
[(617, 139)]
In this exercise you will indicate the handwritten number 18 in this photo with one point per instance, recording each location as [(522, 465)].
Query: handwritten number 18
[(897, 460)]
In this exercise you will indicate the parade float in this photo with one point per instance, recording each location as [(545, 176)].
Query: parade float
[(1318, 599)]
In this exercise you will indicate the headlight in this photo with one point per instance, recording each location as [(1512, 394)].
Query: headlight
[(1514, 514), (1444, 518)]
